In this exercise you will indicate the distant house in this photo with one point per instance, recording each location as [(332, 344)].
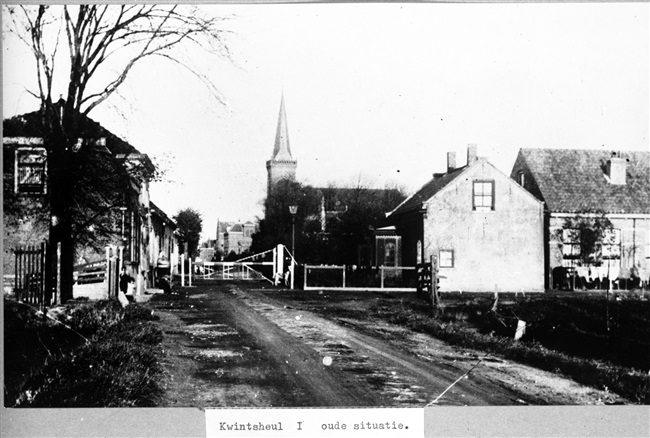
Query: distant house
[(238, 238), (121, 219), (596, 182), (485, 230), (163, 239), (336, 201)]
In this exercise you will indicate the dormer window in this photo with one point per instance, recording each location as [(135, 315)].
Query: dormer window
[(521, 178)]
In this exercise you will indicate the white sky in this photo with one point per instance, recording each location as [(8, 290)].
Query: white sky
[(378, 91)]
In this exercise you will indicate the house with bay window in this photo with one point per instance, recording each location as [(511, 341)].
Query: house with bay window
[(484, 229), (599, 188)]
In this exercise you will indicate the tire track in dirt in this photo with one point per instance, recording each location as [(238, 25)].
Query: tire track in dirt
[(403, 378), (223, 353)]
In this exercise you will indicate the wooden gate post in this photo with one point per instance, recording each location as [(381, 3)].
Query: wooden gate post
[(433, 287)]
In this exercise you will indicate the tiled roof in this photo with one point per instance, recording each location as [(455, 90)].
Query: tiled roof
[(337, 199), (237, 228), (572, 180), (31, 125), (161, 214), (415, 201)]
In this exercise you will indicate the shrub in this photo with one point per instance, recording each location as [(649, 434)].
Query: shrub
[(117, 366)]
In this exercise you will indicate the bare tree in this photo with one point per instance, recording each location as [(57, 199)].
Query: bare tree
[(96, 47)]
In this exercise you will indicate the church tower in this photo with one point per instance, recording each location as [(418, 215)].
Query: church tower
[(281, 165)]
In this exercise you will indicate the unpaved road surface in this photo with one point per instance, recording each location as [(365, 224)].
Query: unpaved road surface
[(236, 345)]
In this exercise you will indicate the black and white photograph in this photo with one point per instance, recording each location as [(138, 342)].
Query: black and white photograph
[(401, 206)]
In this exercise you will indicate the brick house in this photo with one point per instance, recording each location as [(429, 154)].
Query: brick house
[(583, 182), (120, 219), (485, 230)]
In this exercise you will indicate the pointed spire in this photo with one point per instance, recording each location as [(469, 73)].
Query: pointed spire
[(282, 150)]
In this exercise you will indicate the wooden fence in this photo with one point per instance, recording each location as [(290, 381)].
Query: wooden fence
[(29, 280), (359, 278), (427, 282)]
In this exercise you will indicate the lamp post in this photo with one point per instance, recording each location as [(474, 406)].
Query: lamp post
[(293, 209)]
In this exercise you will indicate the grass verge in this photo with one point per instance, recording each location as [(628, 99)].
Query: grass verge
[(96, 355), (628, 382)]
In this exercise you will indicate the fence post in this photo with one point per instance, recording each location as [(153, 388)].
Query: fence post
[(17, 290), (182, 270), (343, 275), (107, 274), (304, 286), (41, 280), (435, 297), (191, 271), (381, 276)]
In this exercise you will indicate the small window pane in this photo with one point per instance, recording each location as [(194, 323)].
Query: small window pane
[(446, 258)]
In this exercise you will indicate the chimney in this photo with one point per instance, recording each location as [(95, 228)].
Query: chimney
[(438, 175), (617, 169), (451, 161), (471, 154)]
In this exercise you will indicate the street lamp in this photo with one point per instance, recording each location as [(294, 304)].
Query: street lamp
[(293, 209)]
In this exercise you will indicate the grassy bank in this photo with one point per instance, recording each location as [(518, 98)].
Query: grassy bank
[(567, 335), (93, 355), (563, 337)]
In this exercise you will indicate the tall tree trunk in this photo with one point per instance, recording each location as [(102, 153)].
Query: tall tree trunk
[(67, 261), (60, 134)]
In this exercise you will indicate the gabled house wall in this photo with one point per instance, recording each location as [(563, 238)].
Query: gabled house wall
[(496, 248)]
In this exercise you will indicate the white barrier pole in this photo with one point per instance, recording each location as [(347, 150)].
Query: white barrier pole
[(109, 277), (191, 271), (275, 266), (182, 270), (280, 267)]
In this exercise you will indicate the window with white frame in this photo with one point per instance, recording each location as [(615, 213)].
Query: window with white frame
[(446, 258), (30, 171), (483, 195), (611, 246), (570, 247)]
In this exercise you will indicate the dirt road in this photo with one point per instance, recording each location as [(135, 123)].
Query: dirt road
[(235, 345)]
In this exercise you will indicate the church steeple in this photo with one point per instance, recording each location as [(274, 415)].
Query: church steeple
[(282, 149), (281, 165)]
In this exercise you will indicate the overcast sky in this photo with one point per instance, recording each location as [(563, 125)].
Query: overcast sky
[(379, 92)]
